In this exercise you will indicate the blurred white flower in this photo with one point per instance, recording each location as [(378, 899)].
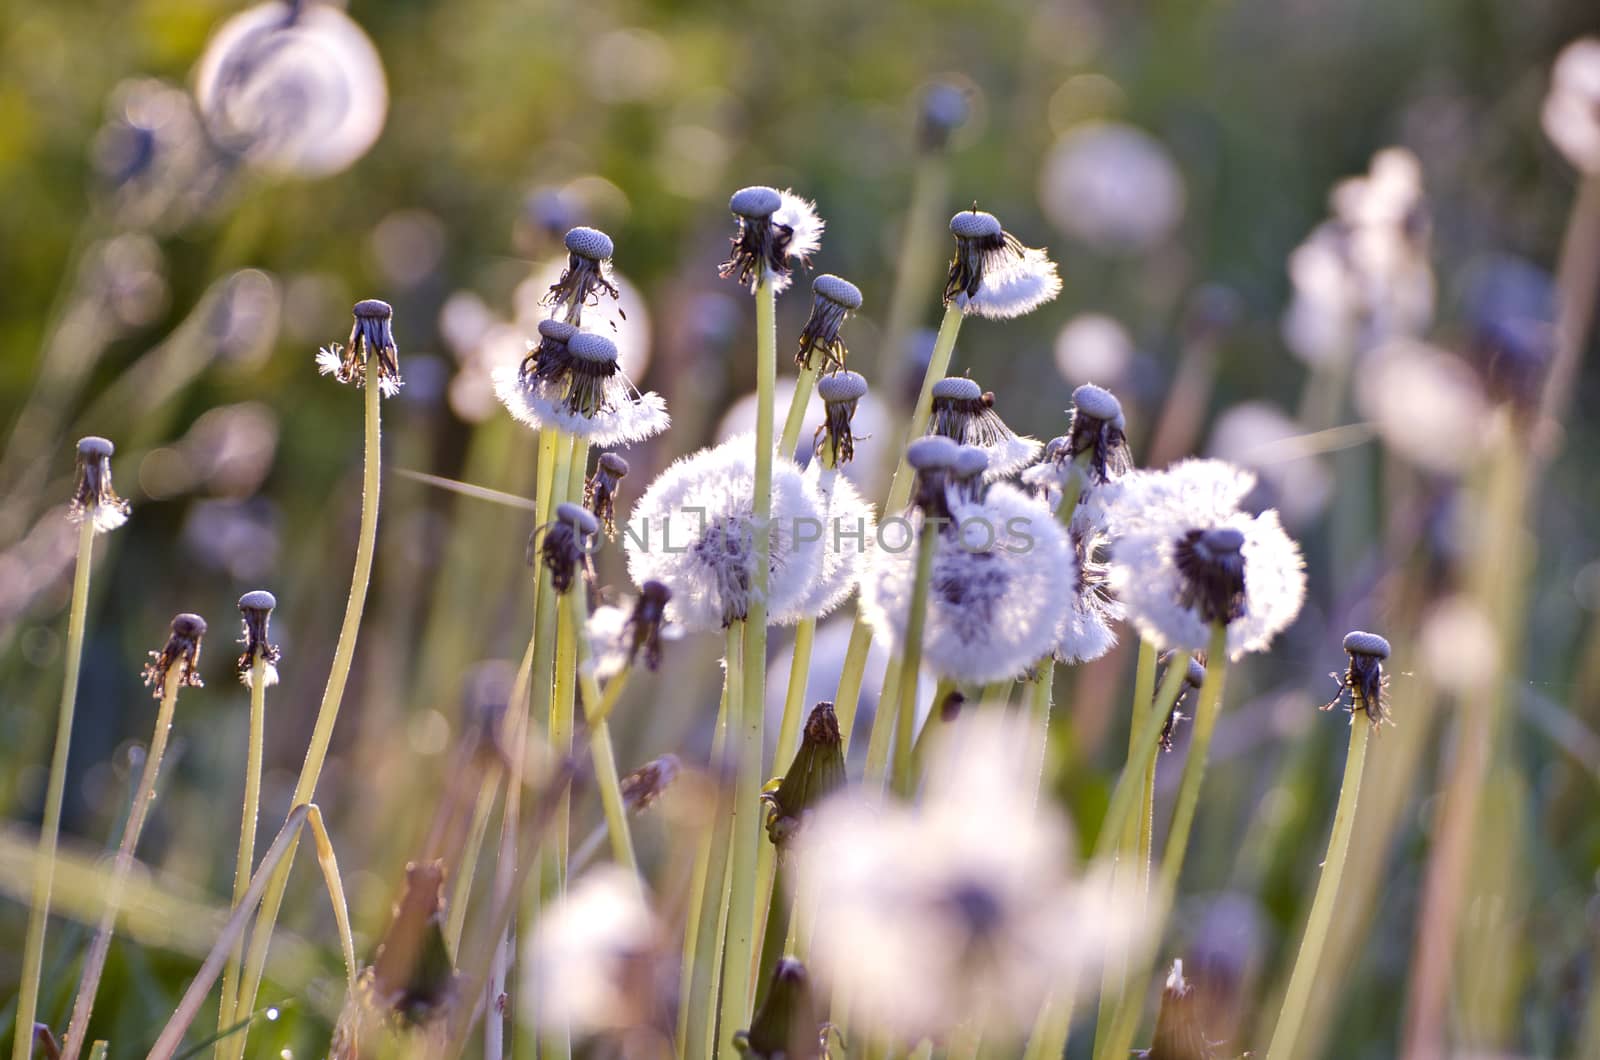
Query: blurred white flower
[(1113, 186), (1004, 577), (1260, 436), (296, 89), (596, 959), (849, 523), (1571, 115), (1094, 348), (960, 910), (1427, 404)]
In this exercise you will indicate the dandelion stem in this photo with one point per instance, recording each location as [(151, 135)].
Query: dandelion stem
[(904, 782), (94, 964), (247, 824), (328, 711), (1304, 976), (600, 748), (790, 439), (461, 893), (851, 674), (1120, 1040), (50, 830)]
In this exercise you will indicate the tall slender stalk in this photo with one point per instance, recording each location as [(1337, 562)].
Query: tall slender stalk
[(1320, 919), (44, 871), (904, 782), (327, 712), (94, 964), (789, 441), (600, 748), (245, 860)]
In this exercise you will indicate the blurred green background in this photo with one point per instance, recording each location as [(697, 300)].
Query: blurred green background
[(170, 295)]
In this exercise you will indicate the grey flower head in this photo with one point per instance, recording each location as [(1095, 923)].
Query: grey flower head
[(967, 474), (932, 457), (841, 393), (964, 412), (644, 625), (93, 498), (832, 300), (548, 358), (371, 341), (1364, 680), (1099, 430), (943, 109), (774, 227), (642, 787), (181, 650), (1211, 564), (1192, 680), (586, 277), (993, 274), (256, 609), (600, 492), (569, 545), (788, 1025)]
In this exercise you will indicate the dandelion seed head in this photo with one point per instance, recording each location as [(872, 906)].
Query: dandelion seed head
[(848, 523), (757, 202), (590, 243), (93, 496), (1427, 403), (255, 608), (774, 227), (932, 453), (992, 273), (1097, 403), (837, 290), (1089, 629), (580, 388), (841, 387), (976, 225), (833, 299), (182, 650), (964, 413)]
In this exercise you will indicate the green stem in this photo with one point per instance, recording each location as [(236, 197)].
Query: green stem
[(461, 892), (790, 439), (95, 963), (44, 871), (1304, 976), (746, 837), (911, 659), (1194, 769), (851, 674), (600, 749), (327, 712), (881, 742), (930, 728), (245, 861)]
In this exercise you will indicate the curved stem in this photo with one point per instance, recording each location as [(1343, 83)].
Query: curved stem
[(247, 825), (327, 712), (94, 964), (44, 871), (1304, 975)]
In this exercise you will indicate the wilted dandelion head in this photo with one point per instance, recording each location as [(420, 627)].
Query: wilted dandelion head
[(693, 530), (1364, 680), (841, 394), (94, 499), (1003, 579), (568, 546), (964, 412), (600, 492), (1193, 678), (1183, 559), (958, 909), (295, 89), (833, 298), (548, 358), (371, 342), (586, 277), (992, 273), (1097, 434), (930, 459), (627, 633), (596, 961), (580, 388), (1571, 115), (642, 787), (182, 651), (255, 608), (774, 227)]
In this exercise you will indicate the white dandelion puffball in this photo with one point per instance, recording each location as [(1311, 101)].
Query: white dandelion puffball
[(958, 910), (1090, 627), (1177, 568), (1112, 186), (693, 531), (1427, 404), (1003, 579), (849, 524), (1201, 490), (295, 89), (594, 958), (1571, 115)]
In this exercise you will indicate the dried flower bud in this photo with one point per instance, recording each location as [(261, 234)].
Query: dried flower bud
[(832, 300), (1098, 429), (1211, 564), (816, 773), (1364, 679), (548, 359), (588, 273), (1192, 680), (256, 609), (788, 1025), (600, 492), (93, 497), (371, 340), (568, 545), (181, 650), (774, 227), (1179, 1034), (964, 412), (841, 394), (644, 625), (642, 787), (411, 977)]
